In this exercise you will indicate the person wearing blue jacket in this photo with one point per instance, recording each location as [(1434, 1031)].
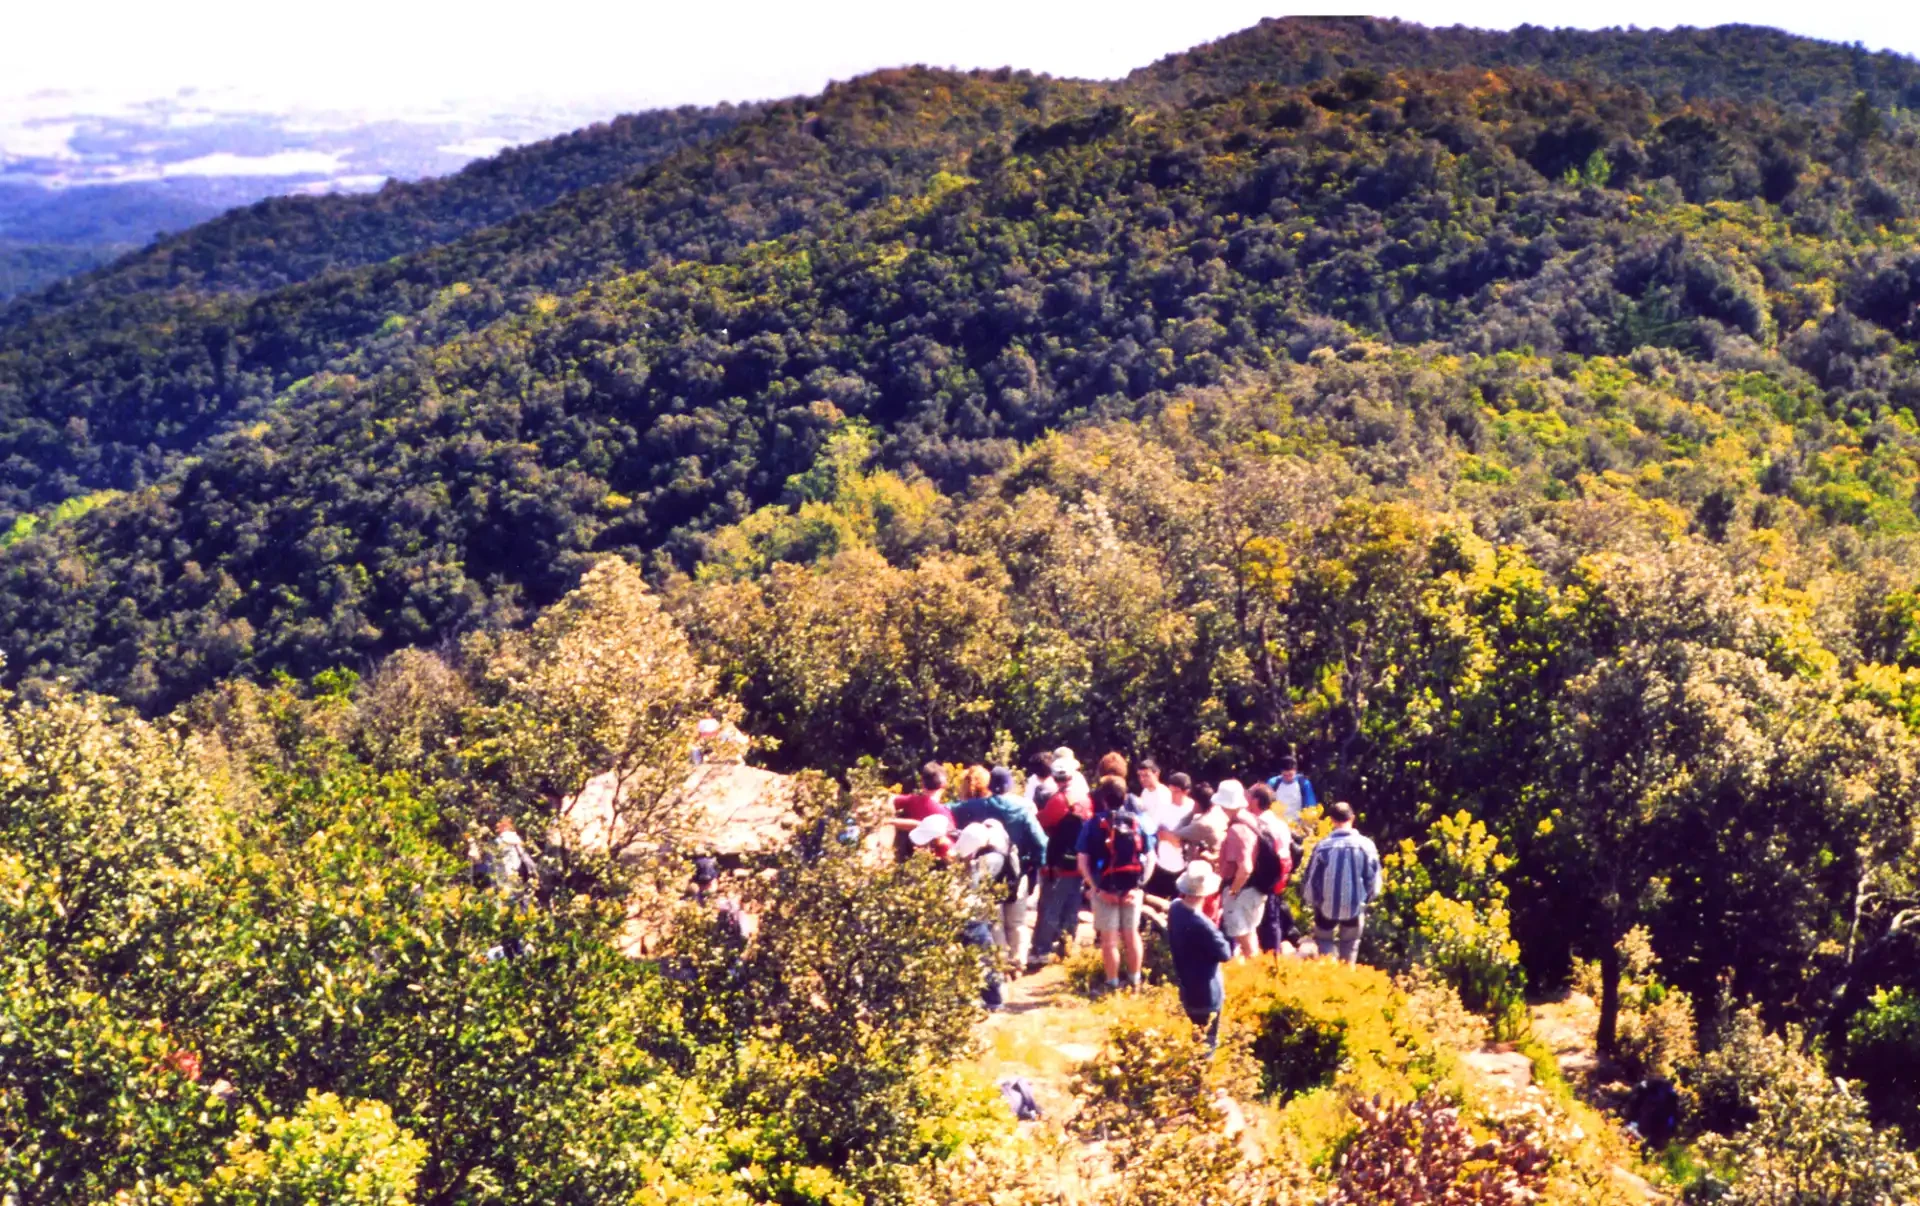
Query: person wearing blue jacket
[(1198, 948), (1292, 791), (1016, 816)]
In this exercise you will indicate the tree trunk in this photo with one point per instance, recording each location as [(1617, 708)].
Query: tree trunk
[(1609, 992)]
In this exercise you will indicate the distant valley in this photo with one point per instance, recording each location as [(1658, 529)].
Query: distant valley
[(86, 178)]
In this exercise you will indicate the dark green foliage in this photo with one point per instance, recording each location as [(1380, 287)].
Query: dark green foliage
[(1741, 62), (960, 261), (1296, 1051)]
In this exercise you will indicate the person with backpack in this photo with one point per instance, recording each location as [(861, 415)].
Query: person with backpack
[(1040, 782), (1271, 933), (1061, 815), (1342, 878), (1292, 790), (1250, 865), (1115, 856), (1198, 949), (1020, 880)]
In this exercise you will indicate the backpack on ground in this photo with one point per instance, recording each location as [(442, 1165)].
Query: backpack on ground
[(1123, 867)]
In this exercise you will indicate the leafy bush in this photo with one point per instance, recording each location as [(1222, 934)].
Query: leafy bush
[(1806, 1140), (1310, 1015), (1152, 1097), (1656, 1026), (1883, 1050), (825, 1032), (351, 1153), (1421, 1152), (1297, 1053)]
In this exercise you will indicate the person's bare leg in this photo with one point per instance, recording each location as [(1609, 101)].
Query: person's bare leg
[(1110, 953), (1134, 948)]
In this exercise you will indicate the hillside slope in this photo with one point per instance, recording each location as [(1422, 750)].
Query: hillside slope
[(110, 392), (926, 254), (1727, 62), (285, 240)]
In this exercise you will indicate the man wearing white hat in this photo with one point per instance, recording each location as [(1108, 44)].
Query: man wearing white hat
[(1076, 781), (1198, 948)]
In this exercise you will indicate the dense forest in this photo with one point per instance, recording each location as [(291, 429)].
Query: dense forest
[(1519, 428)]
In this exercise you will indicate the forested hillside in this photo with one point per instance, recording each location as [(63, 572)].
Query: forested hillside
[(285, 240), (1519, 428), (1728, 62), (635, 366)]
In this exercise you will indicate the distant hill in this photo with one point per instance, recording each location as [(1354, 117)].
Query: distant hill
[(284, 240), (379, 455), (1730, 62), (47, 234)]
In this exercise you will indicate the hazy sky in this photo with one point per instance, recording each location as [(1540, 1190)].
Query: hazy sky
[(394, 54)]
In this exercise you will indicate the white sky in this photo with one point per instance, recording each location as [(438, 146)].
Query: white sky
[(407, 54)]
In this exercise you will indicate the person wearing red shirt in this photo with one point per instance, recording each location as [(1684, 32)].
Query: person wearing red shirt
[(914, 807)]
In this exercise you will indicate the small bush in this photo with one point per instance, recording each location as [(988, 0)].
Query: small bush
[(347, 1153), (1150, 1096), (1420, 1152), (1883, 1049), (1444, 907), (1297, 1052), (1808, 1141), (1655, 1032)]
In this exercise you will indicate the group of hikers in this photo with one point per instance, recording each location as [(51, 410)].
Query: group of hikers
[(1210, 863)]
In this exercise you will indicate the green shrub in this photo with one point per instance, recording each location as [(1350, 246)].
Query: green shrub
[(1655, 1031), (1807, 1140), (1297, 1052), (1883, 1050), (1444, 906), (332, 1151)]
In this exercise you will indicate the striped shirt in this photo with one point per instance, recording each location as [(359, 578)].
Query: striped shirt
[(1343, 876)]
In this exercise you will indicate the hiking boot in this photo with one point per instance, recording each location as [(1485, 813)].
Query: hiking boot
[(1101, 990)]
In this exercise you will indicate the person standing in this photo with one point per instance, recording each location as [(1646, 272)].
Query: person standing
[(1292, 791), (1077, 782), (1242, 905), (1040, 783), (1205, 827), (1029, 842), (1198, 948), (1061, 816), (914, 807), (1342, 878), (1271, 934), (1115, 856), (1157, 809), (515, 874)]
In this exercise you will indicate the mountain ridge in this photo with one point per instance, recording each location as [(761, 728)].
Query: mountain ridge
[(961, 259)]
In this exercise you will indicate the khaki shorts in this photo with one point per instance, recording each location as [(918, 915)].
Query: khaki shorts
[(1241, 914), (1109, 917)]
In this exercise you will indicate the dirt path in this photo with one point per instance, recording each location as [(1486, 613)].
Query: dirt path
[(1042, 1032)]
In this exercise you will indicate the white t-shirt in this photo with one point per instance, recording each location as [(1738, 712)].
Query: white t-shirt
[(1275, 826), (1158, 809), (1287, 797)]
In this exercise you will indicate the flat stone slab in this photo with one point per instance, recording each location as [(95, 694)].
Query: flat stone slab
[(1509, 1068)]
